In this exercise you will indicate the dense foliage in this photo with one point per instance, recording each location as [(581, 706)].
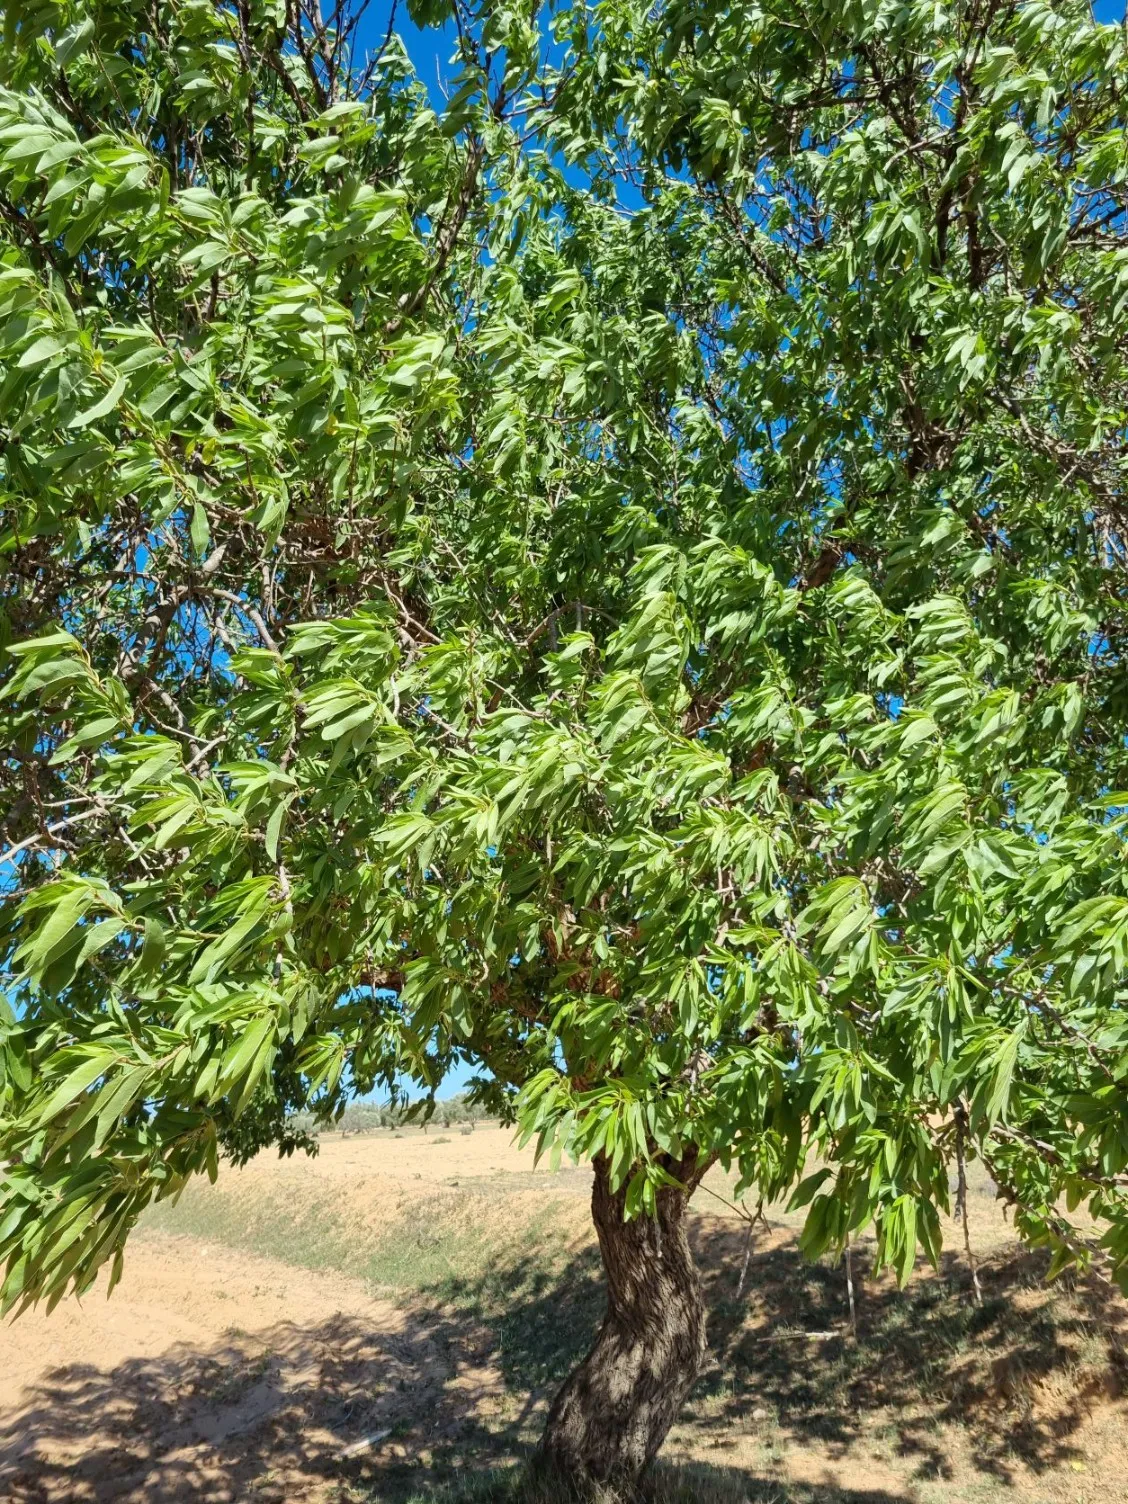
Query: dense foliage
[(617, 575)]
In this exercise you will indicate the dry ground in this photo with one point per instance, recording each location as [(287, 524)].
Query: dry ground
[(392, 1317)]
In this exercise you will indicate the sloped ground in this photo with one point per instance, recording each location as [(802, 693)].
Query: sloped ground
[(390, 1319)]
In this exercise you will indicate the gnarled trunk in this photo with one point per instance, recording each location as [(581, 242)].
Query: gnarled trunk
[(613, 1413)]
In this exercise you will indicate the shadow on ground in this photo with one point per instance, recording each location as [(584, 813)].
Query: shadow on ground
[(463, 1386), (266, 1418), (270, 1422), (1018, 1375)]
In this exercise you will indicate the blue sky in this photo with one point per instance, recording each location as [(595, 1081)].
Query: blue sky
[(428, 50)]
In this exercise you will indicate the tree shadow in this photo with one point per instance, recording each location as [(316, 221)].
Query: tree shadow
[(274, 1417), (462, 1383), (1020, 1374), (267, 1416)]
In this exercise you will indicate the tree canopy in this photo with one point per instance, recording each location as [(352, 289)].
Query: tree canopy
[(616, 576)]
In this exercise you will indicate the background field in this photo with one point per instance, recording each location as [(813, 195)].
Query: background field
[(387, 1322)]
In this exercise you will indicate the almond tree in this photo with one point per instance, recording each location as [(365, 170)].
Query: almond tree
[(619, 579)]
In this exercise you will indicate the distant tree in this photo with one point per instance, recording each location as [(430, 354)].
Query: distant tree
[(617, 577)]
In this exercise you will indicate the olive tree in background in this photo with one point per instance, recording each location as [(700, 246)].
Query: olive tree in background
[(617, 576)]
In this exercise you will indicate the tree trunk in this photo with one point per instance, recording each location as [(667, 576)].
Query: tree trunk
[(612, 1415)]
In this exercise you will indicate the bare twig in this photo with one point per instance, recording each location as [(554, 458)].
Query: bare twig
[(12, 852), (848, 1255), (746, 1259), (961, 1199)]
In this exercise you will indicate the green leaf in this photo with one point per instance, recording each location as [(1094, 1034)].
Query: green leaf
[(104, 404), (248, 1059), (40, 351), (274, 829), (85, 1073), (98, 936), (1001, 1079), (806, 1189), (73, 42), (199, 530), (154, 947)]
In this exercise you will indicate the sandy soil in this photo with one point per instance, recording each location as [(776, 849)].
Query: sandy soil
[(212, 1370), (202, 1354)]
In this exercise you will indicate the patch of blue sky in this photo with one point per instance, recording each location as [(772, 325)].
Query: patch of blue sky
[(1099, 647), (457, 1077), (891, 704)]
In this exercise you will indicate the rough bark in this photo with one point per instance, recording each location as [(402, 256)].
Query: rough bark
[(613, 1413)]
